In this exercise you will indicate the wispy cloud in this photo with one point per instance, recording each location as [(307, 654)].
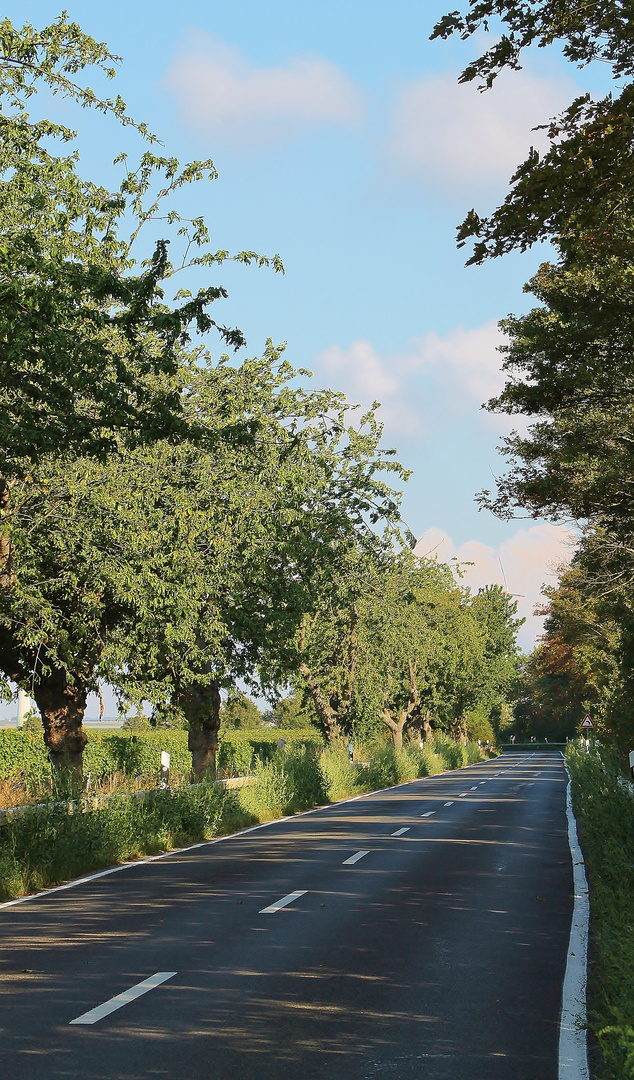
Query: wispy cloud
[(464, 364), (527, 560), (457, 141), (220, 90)]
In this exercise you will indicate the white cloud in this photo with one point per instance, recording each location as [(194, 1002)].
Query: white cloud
[(463, 362), (461, 141), (220, 90), (530, 558)]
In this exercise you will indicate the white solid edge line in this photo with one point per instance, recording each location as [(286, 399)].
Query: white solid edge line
[(399, 832), (221, 839), (573, 1038), (288, 899), (354, 858), (114, 1003)]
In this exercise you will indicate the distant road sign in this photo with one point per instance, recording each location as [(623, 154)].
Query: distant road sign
[(586, 722)]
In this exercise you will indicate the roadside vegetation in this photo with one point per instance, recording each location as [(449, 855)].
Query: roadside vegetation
[(45, 844), (603, 802)]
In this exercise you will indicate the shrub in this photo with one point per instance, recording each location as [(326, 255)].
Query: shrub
[(604, 807), (44, 845), (431, 762), (307, 784), (339, 777), (270, 794), (453, 753)]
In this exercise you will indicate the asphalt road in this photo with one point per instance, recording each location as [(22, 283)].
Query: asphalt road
[(439, 954)]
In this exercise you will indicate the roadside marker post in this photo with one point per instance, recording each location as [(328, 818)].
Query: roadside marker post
[(164, 782)]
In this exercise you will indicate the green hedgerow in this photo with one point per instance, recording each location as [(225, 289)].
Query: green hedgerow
[(603, 803)]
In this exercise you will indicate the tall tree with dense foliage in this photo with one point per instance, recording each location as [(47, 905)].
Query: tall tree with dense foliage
[(174, 570), (90, 350), (577, 194), (407, 646)]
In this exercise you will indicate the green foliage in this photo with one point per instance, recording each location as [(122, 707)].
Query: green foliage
[(405, 643), (240, 712), (388, 767), (291, 713), (45, 845), (23, 754), (604, 808), (270, 794), (479, 725), (340, 778), (452, 753), (577, 193)]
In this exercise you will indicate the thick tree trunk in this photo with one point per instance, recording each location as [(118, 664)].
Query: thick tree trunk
[(405, 716), (396, 727), (62, 706), (201, 706), (458, 730)]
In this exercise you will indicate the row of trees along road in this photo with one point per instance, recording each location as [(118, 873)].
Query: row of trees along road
[(173, 523), (570, 360)]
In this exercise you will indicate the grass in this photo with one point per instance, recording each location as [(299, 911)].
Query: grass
[(604, 807), (55, 842)]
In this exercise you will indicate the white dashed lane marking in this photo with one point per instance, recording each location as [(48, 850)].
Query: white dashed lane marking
[(125, 998), (354, 858), (399, 832), (449, 804), (288, 899), (429, 813)]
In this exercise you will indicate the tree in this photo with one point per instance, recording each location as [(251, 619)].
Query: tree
[(405, 644), (90, 352), (574, 668), (412, 642), (577, 194), (241, 713), (569, 364), (174, 570), (290, 713)]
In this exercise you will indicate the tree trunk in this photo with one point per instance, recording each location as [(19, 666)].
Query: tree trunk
[(62, 706), (5, 541), (201, 706), (329, 717), (427, 732), (396, 727)]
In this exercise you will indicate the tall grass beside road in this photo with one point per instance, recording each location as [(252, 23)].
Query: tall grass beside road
[(46, 844), (603, 804)]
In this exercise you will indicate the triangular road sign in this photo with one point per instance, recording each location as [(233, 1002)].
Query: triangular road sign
[(587, 722)]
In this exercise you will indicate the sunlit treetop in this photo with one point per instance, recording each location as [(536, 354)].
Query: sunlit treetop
[(590, 30)]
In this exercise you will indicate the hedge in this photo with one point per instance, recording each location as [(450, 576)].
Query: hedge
[(23, 754)]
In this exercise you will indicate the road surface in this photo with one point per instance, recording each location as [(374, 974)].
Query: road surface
[(420, 932)]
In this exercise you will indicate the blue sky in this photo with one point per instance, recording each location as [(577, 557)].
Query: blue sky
[(344, 143)]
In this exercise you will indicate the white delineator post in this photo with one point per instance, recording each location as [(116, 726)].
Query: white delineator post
[(24, 706), (165, 770)]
